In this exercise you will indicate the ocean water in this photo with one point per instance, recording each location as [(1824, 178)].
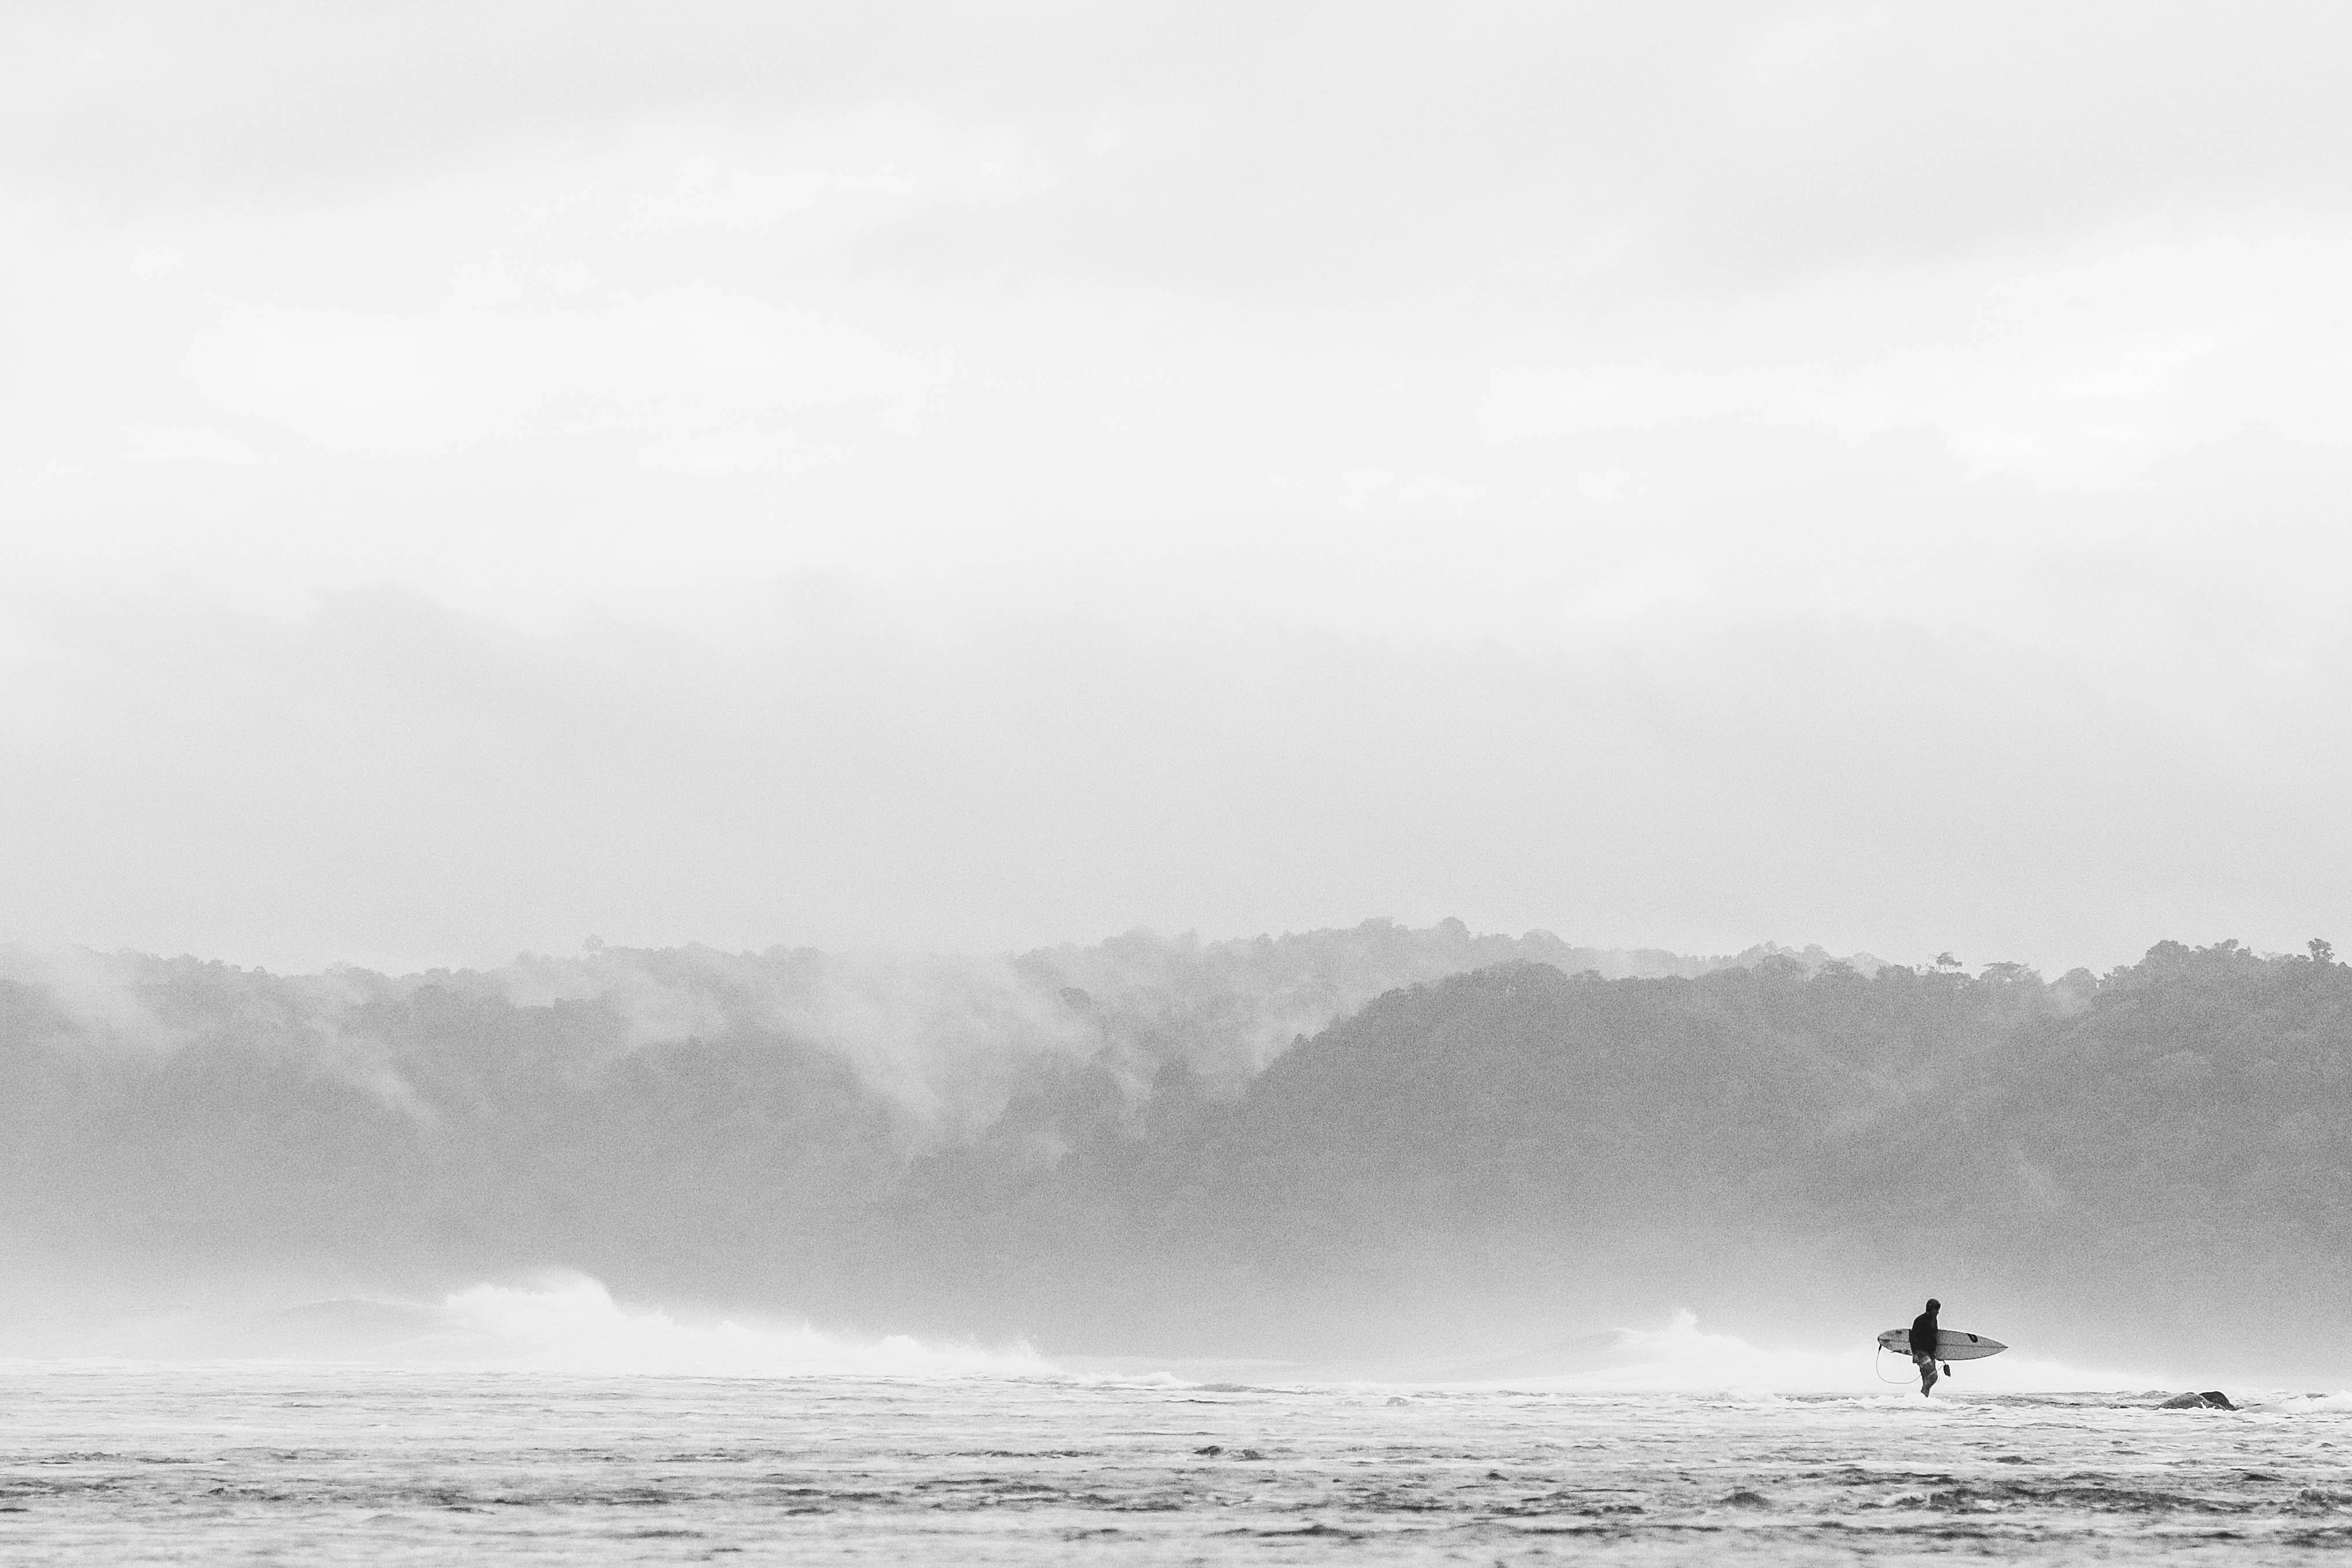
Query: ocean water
[(191, 1464)]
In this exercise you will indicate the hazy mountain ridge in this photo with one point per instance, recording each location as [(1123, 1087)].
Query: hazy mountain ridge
[(2163, 1155), (1076, 1145), (917, 1027), (592, 1110)]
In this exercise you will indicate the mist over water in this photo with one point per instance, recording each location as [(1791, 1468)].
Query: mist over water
[(1375, 1152), (572, 1326)]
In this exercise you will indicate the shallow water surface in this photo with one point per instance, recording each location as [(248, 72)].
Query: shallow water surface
[(304, 1465)]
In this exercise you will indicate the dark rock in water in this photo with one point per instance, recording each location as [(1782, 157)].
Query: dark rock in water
[(1212, 1450), (2212, 1399), (1251, 1454), (1745, 1499)]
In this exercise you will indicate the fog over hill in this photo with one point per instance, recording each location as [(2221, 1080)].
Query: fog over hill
[(1404, 1147)]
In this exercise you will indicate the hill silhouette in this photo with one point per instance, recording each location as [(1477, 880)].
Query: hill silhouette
[(1320, 1145)]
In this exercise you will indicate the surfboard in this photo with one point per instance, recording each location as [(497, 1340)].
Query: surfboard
[(1951, 1345)]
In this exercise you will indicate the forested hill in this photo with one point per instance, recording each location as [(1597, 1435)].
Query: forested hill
[(2159, 1162), (1117, 1151)]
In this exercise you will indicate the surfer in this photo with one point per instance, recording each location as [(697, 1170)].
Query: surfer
[(1923, 1346)]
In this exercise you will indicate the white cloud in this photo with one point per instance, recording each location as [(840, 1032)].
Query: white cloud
[(1359, 486), (734, 449), (1803, 47), (1607, 487), (185, 444), (677, 366), (710, 193), (891, 157), (157, 261), (1656, 582), (2081, 369), (1455, 493)]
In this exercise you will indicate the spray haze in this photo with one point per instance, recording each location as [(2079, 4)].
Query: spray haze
[(1419, 1153)]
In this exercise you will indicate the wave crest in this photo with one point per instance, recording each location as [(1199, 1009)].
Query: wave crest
[(575, 1325)]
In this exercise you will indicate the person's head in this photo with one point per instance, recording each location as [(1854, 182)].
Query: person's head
[(1934, 1305)]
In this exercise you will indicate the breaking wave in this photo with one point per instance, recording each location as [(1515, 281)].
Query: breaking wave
[(575, 1325), (565, 1323)]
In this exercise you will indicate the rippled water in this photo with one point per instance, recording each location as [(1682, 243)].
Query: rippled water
[(310, 1465)]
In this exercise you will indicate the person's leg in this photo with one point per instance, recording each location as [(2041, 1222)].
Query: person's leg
[(1927, 1375)]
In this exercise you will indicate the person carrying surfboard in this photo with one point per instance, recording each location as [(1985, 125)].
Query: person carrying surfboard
[(1923, 1346)]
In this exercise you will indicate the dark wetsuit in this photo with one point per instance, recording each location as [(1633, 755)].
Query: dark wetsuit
[(1923, 1335)]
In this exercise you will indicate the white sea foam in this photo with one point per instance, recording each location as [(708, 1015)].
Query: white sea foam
[(1682, 1357), (2300, 1404), (572, 1324)]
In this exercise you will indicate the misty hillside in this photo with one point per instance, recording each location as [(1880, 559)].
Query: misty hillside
[(1375, 1142), (583, 1109)]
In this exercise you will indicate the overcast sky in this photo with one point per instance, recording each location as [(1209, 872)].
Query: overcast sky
[(479, 475)]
